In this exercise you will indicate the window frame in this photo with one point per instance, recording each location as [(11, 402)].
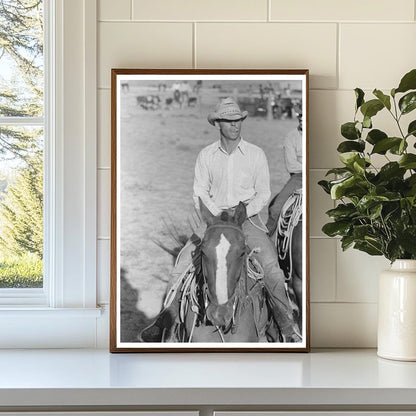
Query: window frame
[(29, 317)]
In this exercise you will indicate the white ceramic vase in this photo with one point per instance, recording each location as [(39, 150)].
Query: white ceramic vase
[(397, 312)]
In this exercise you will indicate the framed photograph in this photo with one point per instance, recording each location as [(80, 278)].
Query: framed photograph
[(209, 211)]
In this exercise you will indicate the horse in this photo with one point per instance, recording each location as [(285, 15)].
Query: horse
[(288, 240), (229, 306), (221, 297)]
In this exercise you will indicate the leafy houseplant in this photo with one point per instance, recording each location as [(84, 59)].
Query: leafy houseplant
[(376, 210)]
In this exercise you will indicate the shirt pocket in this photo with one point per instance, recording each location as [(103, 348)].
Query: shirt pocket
[(246, 182)]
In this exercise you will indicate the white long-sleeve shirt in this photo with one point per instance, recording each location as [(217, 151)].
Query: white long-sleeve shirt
[(222, 180), (293, 151)]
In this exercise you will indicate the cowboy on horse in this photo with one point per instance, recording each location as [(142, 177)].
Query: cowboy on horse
[(293, 157), (227, 172)]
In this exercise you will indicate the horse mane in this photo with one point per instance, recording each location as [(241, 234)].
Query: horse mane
[(178, 238)]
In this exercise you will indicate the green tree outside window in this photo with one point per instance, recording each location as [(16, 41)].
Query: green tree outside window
[(21, 143)]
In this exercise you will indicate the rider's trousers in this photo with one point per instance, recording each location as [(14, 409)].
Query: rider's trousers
[(294, 183), (274, 279)]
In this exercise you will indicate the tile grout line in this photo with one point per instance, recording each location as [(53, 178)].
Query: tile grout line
[(254, 21), (338, 241), (336, 272), (194, 63), (338, 63), (131, 9), (352, 302), (269, 11), (306, 22), (310, 169)]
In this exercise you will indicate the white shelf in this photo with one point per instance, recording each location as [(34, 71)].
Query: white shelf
[(58, 378)]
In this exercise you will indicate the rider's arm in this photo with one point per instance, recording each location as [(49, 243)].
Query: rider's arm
[(261, 186), (202, 186), (293, 165)]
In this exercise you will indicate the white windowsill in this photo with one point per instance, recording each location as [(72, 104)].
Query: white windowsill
[(40, 327), (336, 378), (322, 378), (36, 312)]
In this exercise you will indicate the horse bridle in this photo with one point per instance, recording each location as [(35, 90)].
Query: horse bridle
[(208, 298), (222, 225)]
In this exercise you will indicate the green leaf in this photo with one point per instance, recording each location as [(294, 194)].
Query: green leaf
[(348, 186), (393, 92), (333, 229), (338, 171), (369, 201), (402, 147), (371, 108), (375, 211), (348, 158), (408, 161), (342, 211), (391, 170), (393, 250), (338, 187), (359, 95), (411, 180), (383, 145), (407, 239), (408, 82), (346, 242), (375, 135), (349, 131), (367, 122), (359, 165), (325, 185), (411, 130), (408, 102), (385, 99), (349, 146), (369, 248), (354, 161), (398, 149), (361, 231)]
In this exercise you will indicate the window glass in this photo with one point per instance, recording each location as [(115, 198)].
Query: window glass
[(21, 143)]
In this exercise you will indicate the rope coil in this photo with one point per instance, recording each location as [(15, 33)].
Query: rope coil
[(289, 218)]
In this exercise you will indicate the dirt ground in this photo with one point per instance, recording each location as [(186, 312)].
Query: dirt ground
[(157, 157)]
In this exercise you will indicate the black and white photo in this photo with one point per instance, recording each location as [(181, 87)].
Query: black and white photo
[(209, 244)]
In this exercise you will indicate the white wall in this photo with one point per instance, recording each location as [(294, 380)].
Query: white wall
[(345, 44)]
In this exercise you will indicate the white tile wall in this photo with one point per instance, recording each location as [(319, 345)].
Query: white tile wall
[(357, 275), (103, 271), (200, 10), (323, 269), (272, 45), (345, 44), (369, 10), (104, 129), (142, 45), (389, 52), (343, 325), (104, 202), (328, 109), (114, 10)]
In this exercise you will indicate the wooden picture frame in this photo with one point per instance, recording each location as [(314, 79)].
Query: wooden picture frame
[(161, 121)]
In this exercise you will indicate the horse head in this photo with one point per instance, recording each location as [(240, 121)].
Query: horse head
[(223, 255)]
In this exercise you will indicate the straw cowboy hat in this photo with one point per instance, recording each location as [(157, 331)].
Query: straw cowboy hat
[(226, 109)]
